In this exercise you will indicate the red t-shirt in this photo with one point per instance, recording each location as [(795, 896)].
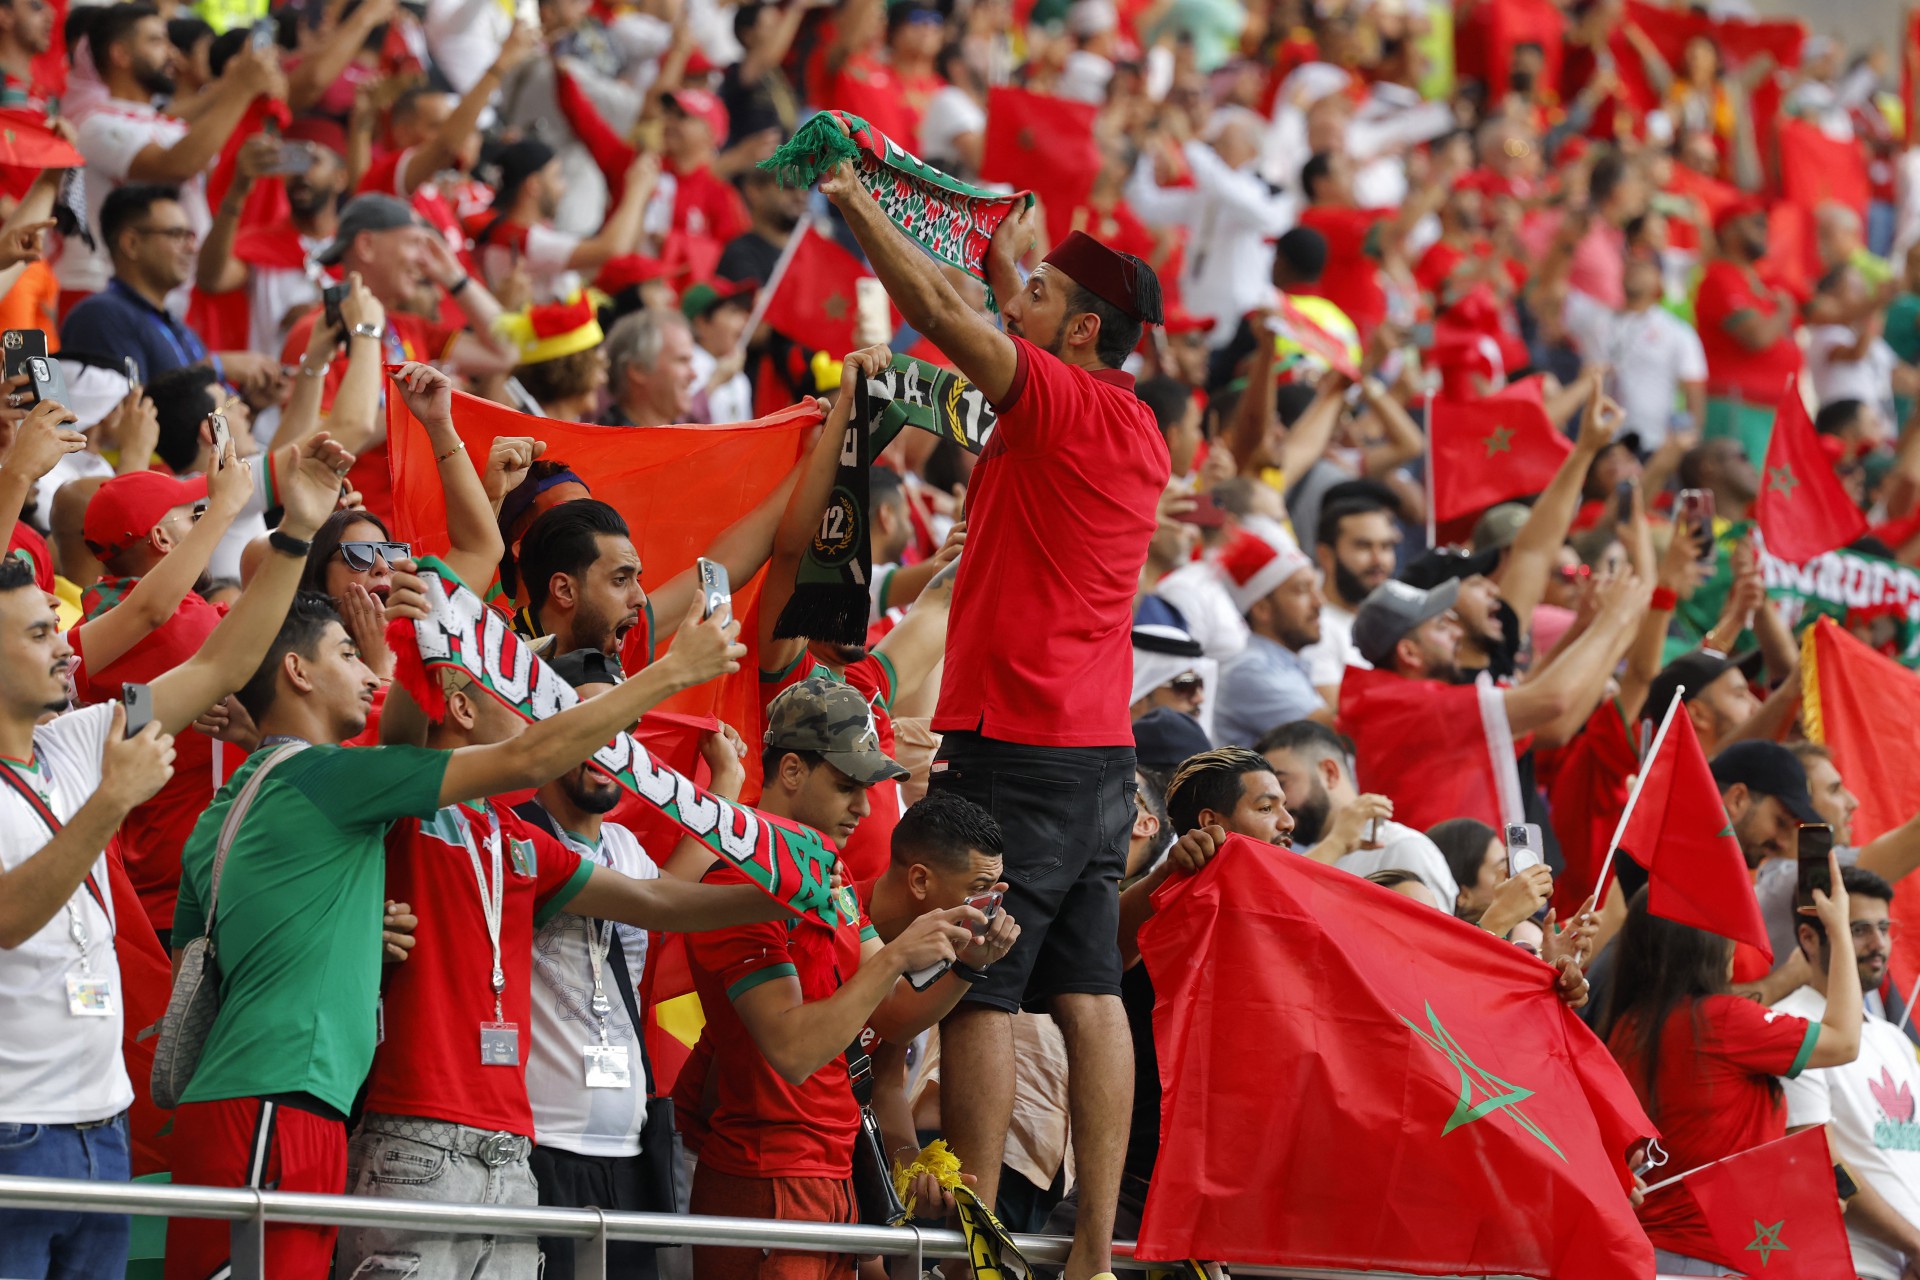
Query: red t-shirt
[(870, 848), (1756, 377), (1059, 513), (155, 832), (1716, 1097), (26, 542), (1351, 280), (706, 207), (429, 1064), (761, 1126), (870, 88), (408, 338)]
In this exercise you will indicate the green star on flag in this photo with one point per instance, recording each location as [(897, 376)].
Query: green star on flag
[(1500, 440), (1501, 1095), (1766, 1240), (1782, 481)]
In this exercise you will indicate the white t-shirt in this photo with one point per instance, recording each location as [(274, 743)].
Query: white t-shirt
[(465, 37), (55, 1067), (274, 292), (567, 1114), (1870, 378), (1652, 353), (1868, 1106), (951, 114), (1327, 661), (732, 400), (546, 252), (110, 138)]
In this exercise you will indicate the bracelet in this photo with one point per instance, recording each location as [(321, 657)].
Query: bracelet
[(1664, 599), (287, 544), (966, 974), (307, 371), (461, 447), (365, 330), (453, 290)]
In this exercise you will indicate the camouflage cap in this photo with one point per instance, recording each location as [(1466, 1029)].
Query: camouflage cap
[(833, 720)]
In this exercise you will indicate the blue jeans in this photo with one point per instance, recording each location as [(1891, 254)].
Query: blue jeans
[(55, 1243)]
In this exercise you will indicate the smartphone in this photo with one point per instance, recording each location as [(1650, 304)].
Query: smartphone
[(1523, 847), (222, 436), (715, 589), (46, 380), (1695, 509), (1623, 498), (988, 905), (19, 345), (295, 158), (138, 700), (1816, 842), (1207, 513), (264, 35), (133, 376), (331, 297), (1373, 833)]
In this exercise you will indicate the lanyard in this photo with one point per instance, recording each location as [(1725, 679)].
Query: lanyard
[(490, 898), (163, 322), (76, 927), (597, 948)]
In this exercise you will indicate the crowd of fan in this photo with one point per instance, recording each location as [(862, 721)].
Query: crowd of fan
[(459, 173)]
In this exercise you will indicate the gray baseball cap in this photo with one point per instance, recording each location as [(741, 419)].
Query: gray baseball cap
[(833, 720), (366, 213), (1393, 609)]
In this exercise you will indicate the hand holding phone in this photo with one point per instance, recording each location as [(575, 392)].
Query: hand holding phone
[(138, 701), (220, 436), (330, 298), (715, 590), (1816, 842), (46, 380), (988, 905), (1523, 847), (1695, 508)]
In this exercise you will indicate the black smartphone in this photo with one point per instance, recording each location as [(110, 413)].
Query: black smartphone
[(988, 905), (138, 700), (331, 297), (1816, 842), (1695, 509), (46, 380), (1623, 498), (18, 346), (715, 589)]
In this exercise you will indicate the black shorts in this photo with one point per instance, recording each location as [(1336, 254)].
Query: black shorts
[(1065, 814)]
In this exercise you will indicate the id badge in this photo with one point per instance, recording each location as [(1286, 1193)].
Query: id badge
[(499, 1044), (607, 1066), (89, 996)]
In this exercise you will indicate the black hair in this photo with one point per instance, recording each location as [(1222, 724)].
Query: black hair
[(744, 18), (1119, 332), (16, 572), (1463, 843), (226, 47), (1328, 532), (126, 205), (565, 539), (1291, 399), (182, 399), (81, 20), (409, 102), (1636, 226), (1836, 415), (884, 487), (1302, 252), (1168, 398), (944, 830), (1308, 738), (1660, 967), (1832, 277), (326, 541), (300, 632), (1209, 780), (1318, 166), (184, 33), (113, 24), (1859, 883), (1605, 177), (770, 758)]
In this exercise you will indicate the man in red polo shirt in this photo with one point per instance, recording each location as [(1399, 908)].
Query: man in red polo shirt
[(1034, 696), (1746, 329)]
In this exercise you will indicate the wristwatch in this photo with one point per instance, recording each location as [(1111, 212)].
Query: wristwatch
[(365, 330), (287, 544)]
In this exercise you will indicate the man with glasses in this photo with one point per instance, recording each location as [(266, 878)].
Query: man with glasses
[(151, 241), (1868, 1104)]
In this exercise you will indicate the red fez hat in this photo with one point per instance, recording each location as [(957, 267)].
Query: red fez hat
[(1116, 278)]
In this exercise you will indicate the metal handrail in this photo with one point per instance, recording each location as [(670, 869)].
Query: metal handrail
[(249, 1210)]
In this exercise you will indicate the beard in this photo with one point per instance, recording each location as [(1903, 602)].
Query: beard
[(1348, 584), (784, 219), (1310, 816), (154, 80), (307, 201), (590, 792)]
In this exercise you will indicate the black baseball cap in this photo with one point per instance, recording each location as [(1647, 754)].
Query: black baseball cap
[(1446, 564), (586, 666), (517, 162), (1164, 738), (1693, 672), (1767, 769)]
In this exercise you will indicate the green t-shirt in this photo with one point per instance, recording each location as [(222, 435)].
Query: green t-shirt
[(1903, 327), (297, 938)]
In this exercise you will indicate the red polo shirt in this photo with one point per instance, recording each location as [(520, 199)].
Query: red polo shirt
[(1755, 377), (1059, 513)]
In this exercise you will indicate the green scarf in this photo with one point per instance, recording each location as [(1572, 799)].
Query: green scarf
[(790, 862), (952, 220), (830, 593)]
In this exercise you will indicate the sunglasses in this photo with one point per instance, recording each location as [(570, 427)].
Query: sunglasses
[(1574, 572), (1188, 683), (361, 555)]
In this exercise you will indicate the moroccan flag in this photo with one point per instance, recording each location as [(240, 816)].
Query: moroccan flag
[(812, 301), (1774, 1211), (677, 487), (1400, 727), (1681, 834), (1516, 22), (1043, 142), (1815, 168), (1492, 449), (1802, 510), (1353, 1080), (1855, 703)]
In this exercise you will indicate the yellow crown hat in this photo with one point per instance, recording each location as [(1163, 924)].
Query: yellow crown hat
[(551, 330)]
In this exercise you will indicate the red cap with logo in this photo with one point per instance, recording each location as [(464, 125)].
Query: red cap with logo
[(126, 508), (698, 104)]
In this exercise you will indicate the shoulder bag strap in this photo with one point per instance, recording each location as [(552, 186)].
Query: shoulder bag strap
[(231, 827)]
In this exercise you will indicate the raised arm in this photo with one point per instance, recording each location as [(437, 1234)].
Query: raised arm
[(742, 547), (1523, 582), (475, 534), (918, 645), (1313, 430), (438, 152), (248, 76), (1579, 674), (622, 230), (39, 442), (326, 59), (217, 270)]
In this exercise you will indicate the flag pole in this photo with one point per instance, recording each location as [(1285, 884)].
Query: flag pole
[(1633, 797), (1667, 1182), (765, 296), (1433, 536)]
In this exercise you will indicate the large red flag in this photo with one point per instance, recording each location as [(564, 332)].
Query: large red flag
[(1802, 510), (1815, 168), (1492, 449), (1351, 1079), (1045, 143), (1681, 834), (1774, 1211), (1400, 727), (813, 302)]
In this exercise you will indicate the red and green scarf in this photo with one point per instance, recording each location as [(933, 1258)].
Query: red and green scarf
[(952, 220)]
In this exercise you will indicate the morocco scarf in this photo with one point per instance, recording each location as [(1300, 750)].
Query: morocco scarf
[(829, 600), (791, 863), (950, 219)]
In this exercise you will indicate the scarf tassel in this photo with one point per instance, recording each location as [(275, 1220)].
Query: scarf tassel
[(834, 611), (815, 150)]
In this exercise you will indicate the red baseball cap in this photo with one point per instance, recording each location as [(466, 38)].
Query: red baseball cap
[(698, 104), (1181, 320), (124, 509)]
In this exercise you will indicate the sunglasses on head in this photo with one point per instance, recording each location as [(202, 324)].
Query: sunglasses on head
[(361, 555)]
